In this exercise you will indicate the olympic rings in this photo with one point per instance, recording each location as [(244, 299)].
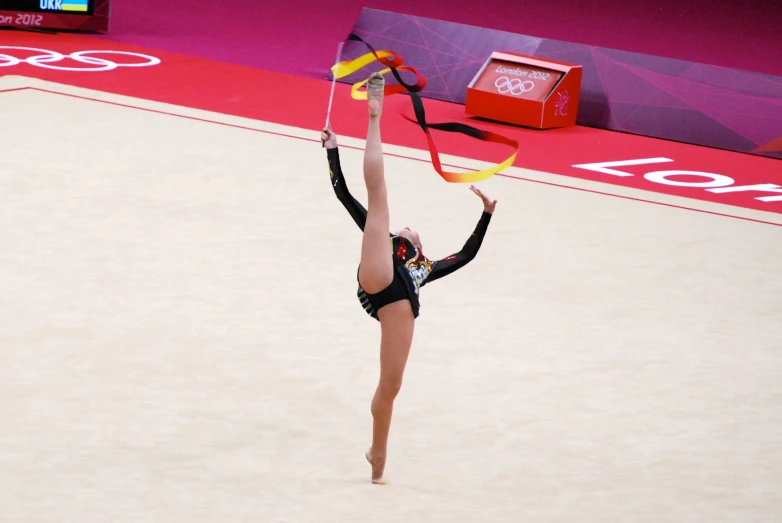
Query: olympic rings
[(48, 57), (513, 86)]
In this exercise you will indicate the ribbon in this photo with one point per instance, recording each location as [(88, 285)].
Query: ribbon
[(346, 68)]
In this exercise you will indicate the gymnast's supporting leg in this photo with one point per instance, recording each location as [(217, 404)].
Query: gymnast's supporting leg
[(396, 336)]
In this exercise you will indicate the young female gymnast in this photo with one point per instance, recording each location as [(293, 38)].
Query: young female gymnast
[(392, 269)]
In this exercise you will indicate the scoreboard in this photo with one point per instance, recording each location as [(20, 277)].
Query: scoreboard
[(83, 7), (66, 15)]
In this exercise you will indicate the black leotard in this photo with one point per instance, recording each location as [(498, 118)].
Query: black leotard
[(420, 269)]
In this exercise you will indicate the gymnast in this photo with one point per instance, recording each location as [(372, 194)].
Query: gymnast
[(392, 269)]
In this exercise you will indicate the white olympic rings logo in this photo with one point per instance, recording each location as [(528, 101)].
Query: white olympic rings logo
[(513, 86), (47, 58)]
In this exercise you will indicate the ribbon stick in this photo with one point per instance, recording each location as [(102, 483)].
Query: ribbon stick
[(346, 68), (331, 96), (333, 84)]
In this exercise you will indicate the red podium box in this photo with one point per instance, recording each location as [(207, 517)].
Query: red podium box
[(525, 90)]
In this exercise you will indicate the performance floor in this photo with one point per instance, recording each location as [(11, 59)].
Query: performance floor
[(181, 339)]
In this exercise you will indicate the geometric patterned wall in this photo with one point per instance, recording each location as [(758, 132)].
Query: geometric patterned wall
[(630, 92)]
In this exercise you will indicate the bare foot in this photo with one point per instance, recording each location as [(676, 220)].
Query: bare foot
[(378, 464), (375, 91)]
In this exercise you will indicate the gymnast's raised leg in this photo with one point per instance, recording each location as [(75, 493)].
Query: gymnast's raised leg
[(376, 272)]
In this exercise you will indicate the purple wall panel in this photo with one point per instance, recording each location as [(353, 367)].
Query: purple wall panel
[(636, 93)]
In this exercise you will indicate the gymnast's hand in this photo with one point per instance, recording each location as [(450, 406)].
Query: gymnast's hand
[(328, 138), (488, 203)]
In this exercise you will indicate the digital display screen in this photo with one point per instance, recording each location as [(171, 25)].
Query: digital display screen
[(84, 16), (63, 7)]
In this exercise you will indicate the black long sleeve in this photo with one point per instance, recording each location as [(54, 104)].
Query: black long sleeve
[(356, 210), (456, 261)]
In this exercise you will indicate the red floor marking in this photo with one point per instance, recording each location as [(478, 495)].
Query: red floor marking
[(250, 93), (713, 213), (312, 140), (14, 89)]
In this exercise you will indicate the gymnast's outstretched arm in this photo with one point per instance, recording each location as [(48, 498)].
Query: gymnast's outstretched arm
[(471, 247), (354, 208), (458, 260)]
